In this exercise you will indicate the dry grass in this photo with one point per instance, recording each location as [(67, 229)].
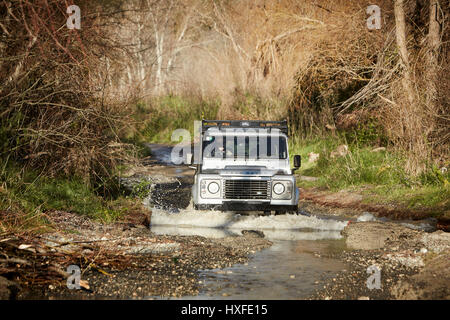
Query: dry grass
[(55, 114), (314, 62)]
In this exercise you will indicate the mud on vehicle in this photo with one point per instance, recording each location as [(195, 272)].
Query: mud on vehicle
[(244, 166)]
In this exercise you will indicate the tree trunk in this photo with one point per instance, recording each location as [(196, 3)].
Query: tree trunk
[(400, 31), (159, 40), (412, 121), (434, 43)]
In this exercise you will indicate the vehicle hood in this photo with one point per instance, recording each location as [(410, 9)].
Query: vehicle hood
[(246, 171)]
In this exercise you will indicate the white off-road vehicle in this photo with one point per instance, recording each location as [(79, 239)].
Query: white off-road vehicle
[(244, 166)]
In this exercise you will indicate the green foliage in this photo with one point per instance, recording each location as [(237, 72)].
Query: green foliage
[(369, 132), (142, 189), (382, 173), (359, 167), (164, 115), (26, 191), (427, 196), (160, 117)]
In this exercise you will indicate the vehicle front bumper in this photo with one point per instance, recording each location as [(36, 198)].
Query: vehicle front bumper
[(247, 204)]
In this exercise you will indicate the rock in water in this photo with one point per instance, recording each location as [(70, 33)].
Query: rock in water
[(253, 233), (371, 235)]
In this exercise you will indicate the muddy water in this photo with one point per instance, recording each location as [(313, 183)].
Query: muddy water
[(292, 268), (287, 270)]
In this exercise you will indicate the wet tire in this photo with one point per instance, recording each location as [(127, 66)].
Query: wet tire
[(293, 210)]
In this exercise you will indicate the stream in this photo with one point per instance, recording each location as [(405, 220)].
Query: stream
[(292, 268)]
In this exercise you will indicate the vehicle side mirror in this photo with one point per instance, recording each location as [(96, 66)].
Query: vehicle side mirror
[(189, 158), (297, 161)]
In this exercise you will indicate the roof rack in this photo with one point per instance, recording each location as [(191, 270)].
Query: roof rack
[(281, 125)]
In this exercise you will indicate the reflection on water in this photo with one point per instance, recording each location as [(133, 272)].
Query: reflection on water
[(279, 272), (217, 224), (292, 268), (231, 220), (282, 272), (212, 233)]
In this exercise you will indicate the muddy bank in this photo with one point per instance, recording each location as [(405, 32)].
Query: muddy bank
[(352, 204), (412, 264), (117, 261)]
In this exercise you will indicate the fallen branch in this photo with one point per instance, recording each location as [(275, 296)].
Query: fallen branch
[(16, 260)]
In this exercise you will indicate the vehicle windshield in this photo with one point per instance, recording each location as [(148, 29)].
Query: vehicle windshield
[(245, 147)]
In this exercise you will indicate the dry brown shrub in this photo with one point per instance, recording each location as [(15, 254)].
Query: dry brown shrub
[(419, 130), (55, 114)]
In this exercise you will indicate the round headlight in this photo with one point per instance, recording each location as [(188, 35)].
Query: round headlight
[(213, 187), (278, 188)]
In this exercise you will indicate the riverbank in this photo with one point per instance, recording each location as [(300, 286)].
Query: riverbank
[(353, 203), (413, 257), (411, 264), (125, 260), (117, 261)]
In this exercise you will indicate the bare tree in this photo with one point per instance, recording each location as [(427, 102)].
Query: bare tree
[(400, 30), (434, 44), (52, 79), (160, 30)]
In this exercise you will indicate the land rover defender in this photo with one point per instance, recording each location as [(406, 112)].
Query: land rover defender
[(244, 166)]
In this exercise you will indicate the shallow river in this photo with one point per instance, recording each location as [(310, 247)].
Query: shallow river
[(291, 268)]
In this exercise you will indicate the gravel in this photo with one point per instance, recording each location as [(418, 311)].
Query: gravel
[(413, 264), (151, 265)]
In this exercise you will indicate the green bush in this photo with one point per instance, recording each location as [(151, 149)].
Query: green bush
[(381, 175), (360, 166), (27, 191), (164, 115)]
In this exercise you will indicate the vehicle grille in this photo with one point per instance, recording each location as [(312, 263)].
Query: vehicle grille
[(247, 189)]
